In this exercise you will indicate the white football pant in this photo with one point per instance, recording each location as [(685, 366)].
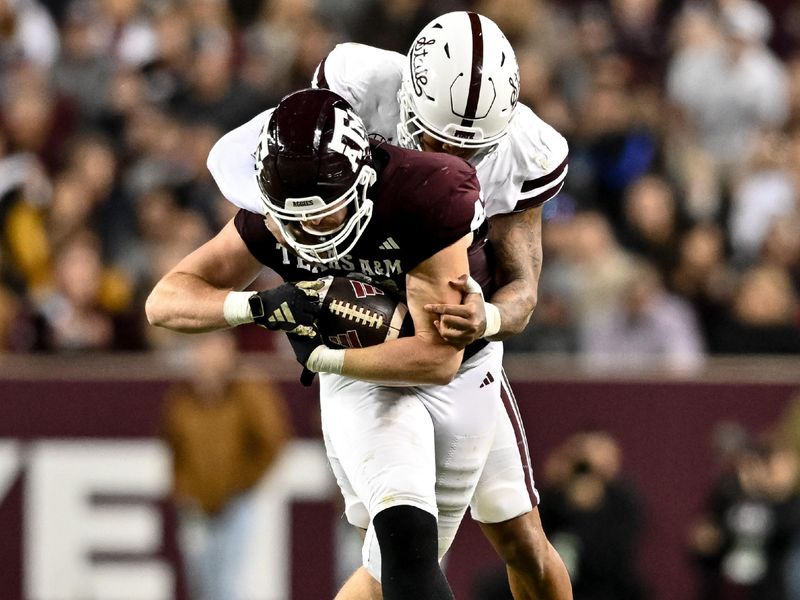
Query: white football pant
[(422, 446)]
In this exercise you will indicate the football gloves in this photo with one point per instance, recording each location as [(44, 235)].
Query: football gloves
[(288, 307), (304, 342)]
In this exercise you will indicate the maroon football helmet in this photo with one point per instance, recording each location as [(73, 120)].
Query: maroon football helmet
[(313, 160)]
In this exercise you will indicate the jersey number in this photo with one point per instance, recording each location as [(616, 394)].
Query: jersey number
[(479, 217)]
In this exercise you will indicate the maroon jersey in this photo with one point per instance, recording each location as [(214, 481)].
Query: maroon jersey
[(423, 202)]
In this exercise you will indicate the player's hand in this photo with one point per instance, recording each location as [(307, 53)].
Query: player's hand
[(304, 341), (460, 324), (288, 306)]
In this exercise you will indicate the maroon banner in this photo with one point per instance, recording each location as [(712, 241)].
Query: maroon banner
[(67, 447)]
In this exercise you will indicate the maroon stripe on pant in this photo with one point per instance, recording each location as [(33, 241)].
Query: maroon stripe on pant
[(510, 404)]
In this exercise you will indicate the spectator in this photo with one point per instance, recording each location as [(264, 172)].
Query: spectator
[(594, 517), (27, 33), (649, 329), (83, 70), (741, 542), (224, 434), (74, 312), (763, 317), (703, 276), (213, 92), (782, 246), (731, 85), (765, 191), (652, 223), (597, 268)]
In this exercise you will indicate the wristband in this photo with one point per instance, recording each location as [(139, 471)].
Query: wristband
[(492, 312), (492, 319), (236, 308), (326, 360)]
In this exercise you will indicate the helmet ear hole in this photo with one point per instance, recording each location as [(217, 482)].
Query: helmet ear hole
[(460, 83)]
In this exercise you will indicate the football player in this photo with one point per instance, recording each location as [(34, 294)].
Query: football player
[(457, 92), (407, 424)]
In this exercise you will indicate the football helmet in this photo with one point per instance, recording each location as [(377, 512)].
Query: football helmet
[(460, 83), (313, 162)]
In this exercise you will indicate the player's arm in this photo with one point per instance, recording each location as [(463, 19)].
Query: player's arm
[(424, 358), (201, 292), (516, 239)]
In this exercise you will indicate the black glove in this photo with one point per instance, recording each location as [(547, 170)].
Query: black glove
[(303, 346), (287, 306)]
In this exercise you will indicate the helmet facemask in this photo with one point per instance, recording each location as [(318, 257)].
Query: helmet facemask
[(330, 246)]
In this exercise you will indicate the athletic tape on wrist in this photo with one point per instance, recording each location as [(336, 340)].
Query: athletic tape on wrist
[(473, 287), (492, 319), (325, 360), (236, 308), (492, 312)]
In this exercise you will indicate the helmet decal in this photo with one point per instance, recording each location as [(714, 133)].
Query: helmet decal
[(513, 81), (347, 126), (419, 70)]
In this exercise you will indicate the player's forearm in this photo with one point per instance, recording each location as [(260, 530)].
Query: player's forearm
[(187, 303), (517, 244), (515, 302), (413, 360)]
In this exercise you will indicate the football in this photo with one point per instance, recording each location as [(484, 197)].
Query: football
[(357, 314)]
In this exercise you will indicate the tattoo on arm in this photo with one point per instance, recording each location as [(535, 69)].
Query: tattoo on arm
[(517, 244)]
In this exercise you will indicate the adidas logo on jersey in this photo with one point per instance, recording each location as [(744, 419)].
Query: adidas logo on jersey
[(487, 380), (282, 314), (389, 244)]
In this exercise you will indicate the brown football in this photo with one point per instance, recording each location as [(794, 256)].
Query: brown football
[(356, 314)]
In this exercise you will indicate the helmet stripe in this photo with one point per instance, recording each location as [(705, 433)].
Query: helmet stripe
[(477, 68)]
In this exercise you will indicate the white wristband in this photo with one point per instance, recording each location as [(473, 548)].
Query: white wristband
[(236, 308), (326, 360), (492, 312), (492, 319)]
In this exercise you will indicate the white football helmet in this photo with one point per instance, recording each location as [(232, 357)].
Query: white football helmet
[(460, 83)]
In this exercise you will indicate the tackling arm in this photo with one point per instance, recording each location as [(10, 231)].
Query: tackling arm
[(424, 358), (517, 243), (516, 239)]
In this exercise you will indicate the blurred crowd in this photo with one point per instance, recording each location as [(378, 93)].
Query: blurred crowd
[(746, 542), (677, 234)]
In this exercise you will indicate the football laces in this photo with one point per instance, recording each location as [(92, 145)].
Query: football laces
[(357, 314)]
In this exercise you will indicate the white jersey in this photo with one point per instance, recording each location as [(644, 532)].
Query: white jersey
[(526, 169), (232, 162)]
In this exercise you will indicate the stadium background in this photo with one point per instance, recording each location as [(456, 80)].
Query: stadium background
[(680, 213)]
